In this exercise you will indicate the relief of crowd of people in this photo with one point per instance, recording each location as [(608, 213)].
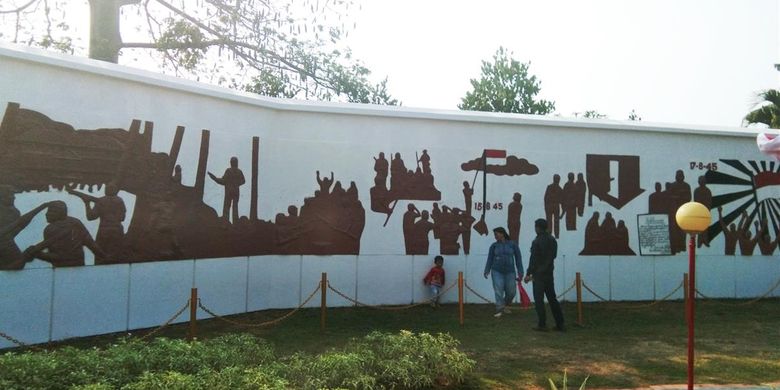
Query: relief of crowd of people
[(405, 183)]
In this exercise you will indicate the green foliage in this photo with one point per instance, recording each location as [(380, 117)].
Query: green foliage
[(377, 361), (591, 114), (183, 42), (506, 86), (564, 385), (767, 110), (380, 360), (284, 48), (122, 363)]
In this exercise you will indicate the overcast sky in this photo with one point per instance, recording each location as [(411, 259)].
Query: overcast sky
[(678, 61)]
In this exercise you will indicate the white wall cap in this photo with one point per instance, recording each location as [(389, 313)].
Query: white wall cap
[(34, 55)]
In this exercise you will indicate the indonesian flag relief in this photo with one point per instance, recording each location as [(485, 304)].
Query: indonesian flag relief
[(769, 144)]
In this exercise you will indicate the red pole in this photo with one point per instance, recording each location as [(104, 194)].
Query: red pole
[(323, 301), (460, 297), (193, 314), (578, 283), (691, 299)]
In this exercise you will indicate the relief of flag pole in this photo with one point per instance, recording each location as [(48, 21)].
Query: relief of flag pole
[(481, 226)]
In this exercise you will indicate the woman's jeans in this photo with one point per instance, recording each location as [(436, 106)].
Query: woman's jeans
[(505, 287)]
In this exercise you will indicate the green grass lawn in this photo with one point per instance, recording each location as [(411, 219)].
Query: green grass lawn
[(619, 346)]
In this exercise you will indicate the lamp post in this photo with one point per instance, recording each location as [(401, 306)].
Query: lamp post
[(692, 218)]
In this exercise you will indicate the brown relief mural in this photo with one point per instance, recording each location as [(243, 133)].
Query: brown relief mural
[(703, 195), (405, 184), (513, 214), (600, 178), (745, 188), (766, 244), (447, 224), (747, 242), (553, 197), (12, 222), (607, 238), (450, 226), (511, 166), (232, 180), (170, 220), (667, 201), (565, 203), (110, 209)]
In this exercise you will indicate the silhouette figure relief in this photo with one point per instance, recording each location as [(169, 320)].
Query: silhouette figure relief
[(64, 239), (12, 222), (330, 222), (449, 225), (569, 202), (668, 200), (607, 238), (110, 209), (513, 214), (170, 220), (553, 197), (703, 195), (468, 195), (747, 242), (405, 184), (730, 234), (232, 180), (766, 244), (581, 188)]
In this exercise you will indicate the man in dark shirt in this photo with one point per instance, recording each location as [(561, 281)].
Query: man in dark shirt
[(544, 249)]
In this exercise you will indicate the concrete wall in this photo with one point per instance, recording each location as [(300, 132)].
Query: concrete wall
[(41, 303)]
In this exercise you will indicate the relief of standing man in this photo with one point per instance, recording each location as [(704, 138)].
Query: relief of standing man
[(231, 180)]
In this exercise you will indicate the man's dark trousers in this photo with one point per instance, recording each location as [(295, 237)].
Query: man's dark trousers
[(544, 285)]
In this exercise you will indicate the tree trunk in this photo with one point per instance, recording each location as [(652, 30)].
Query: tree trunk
[(104, 38)]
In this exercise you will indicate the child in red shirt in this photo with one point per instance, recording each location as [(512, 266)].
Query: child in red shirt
[(435, 279)]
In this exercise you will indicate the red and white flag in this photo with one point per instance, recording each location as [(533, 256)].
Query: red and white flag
[(769, 144), (495, 153)]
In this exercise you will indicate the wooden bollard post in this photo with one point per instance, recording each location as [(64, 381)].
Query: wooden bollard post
[(460, 296), (686, 294), (323, 301), (193, 314), (578, 283)]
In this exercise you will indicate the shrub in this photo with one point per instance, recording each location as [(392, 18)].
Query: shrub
[(376, 361), (126, 361), (380, 360), (415, 360)]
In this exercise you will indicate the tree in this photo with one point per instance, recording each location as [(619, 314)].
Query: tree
[(505, 86), (590, 114), (766, 111), (287, 48)]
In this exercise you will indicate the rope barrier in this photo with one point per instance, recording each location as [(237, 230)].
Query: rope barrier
[(489, 301), (750, 302), (476, 293), (20, 343), (657, 301), (390, 308), (166, 323), (262, 324), (593, 292), (573, 284)]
